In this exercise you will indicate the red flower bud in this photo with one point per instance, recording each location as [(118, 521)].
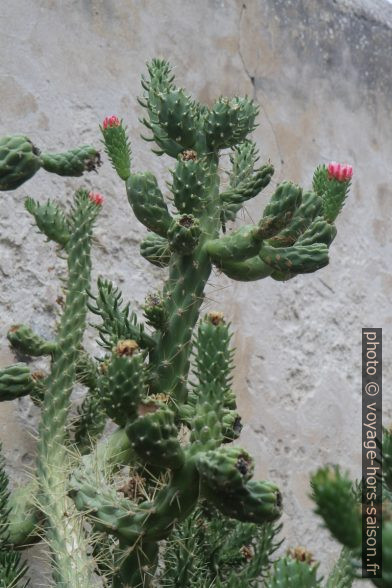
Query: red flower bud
[(340, 172), (96, 198), (111, 121)]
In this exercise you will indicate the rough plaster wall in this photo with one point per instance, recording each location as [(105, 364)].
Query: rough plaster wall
[(320, 71)]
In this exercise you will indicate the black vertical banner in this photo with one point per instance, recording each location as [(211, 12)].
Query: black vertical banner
[(371, 453)]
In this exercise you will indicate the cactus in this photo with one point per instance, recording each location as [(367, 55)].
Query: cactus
[(12, 570), (166, 384), (20, 160), (338, 502), (292, 572), (64, 535)]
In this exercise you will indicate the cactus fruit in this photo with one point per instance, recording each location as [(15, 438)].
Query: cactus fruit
[(167, 385)]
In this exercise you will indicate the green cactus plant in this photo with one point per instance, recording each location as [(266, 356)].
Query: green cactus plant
[(12, 570), (339, 503), (20, 160), (166, 384)]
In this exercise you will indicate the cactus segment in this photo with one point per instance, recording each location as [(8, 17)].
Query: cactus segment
[(231, 426), (246, 271), (71, 567), (257, 502), (215, 403), (50, 220), (225, 469), (229, 121), (184, 233), (155, 311), (123, 383), (336, 503), (161, 77), (153, 435), (183, 294), (156, 250), (188, 185), (214, 356), (206, 420), (19, 161), (73, 162), (177, 116), (292, 573), (342, 573), (387, 459), (299, 259), (225, 475), (117, 146), (386, 579), (117, 323), (25, 341), (319, 231), (138, 567), (91, 421), (239, 245), (250, 187), (280, 210), (243, 159), (24, 517), (151, 520), (17, 380), (160, 83), (147, 202), (91, 415), (12, 569), (286, 198), (310, 208), (332, 191)]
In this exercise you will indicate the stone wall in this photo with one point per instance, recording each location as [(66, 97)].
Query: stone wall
[(320, 71)]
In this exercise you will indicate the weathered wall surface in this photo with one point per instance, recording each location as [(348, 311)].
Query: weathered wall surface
[(320, 71)]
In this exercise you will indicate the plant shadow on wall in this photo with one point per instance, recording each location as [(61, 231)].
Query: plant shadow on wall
[(167, 499)]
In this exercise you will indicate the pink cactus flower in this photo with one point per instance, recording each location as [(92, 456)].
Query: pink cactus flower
[(96, 198), (111, 121), (339, 171)]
